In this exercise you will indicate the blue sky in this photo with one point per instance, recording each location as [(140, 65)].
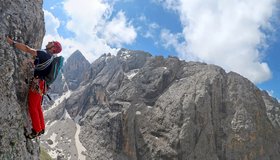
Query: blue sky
[(241, 36)]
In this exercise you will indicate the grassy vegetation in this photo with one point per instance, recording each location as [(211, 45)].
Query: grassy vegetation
[(44, 155)]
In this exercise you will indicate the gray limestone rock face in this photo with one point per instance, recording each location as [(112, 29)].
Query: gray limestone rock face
[(135, 106), (272, 108), (24, 22), (59, 85)]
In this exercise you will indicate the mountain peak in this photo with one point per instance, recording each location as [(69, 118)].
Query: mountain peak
[(77, 55), (124, 53), (75, 65), (78, 52)]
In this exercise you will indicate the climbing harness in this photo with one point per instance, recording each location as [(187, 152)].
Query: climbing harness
[(35, 86)]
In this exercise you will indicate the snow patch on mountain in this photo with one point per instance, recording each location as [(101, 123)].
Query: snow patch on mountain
[(65, 95), (80, 148), (132, 73)]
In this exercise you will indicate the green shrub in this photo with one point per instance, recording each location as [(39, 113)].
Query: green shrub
[(44, 154)]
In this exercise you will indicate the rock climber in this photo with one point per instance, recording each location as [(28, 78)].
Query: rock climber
[(37, 84)]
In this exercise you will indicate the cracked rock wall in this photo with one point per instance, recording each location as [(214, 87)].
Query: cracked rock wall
[(23, 20)]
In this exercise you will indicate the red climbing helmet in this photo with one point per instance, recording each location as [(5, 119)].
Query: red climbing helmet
[(57, 47)]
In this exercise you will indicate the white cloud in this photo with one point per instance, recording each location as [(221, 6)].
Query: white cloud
[(154, 25), (52, 23), (86, 16), (169, 4), (172, 40), (151, 31), (143, 18), (148, 28), (118, 31), (92, 23), (226, 33)]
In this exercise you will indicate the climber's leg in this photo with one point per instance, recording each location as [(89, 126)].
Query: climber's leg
[(39, 107), (33, 102)]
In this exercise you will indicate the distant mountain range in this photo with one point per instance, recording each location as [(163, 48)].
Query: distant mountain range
[(136, 106)]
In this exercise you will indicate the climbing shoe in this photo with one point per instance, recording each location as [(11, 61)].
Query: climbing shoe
[(32, 135), (41, 132)]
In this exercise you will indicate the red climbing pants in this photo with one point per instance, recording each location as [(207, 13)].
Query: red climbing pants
[(36, 91)]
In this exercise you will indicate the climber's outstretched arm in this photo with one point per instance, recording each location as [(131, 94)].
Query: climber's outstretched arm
[(22, 47)]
